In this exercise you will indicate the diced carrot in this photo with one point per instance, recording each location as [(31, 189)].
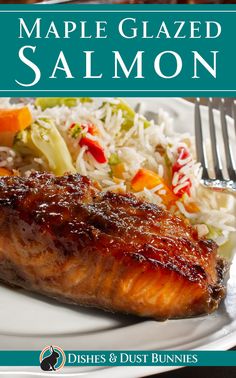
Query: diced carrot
[(6, 172), (97, 185), (191, 207), (118, 170), (117, 180), (92, 129), (14, 120), (145, 178), (7, 138)]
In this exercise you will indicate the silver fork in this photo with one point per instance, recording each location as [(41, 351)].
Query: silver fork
[(224, 179)]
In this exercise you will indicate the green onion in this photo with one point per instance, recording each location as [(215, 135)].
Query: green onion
[(75, 131), (114, 159)]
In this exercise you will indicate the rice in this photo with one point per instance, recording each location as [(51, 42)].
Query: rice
[(154, 148), (7, 156)]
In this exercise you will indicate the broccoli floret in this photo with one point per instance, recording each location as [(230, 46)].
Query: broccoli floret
[(43, 138)]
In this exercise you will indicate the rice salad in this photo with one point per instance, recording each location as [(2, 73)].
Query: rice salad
[(122, 152)]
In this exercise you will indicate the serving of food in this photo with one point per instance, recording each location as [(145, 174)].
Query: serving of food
[(102, 207), (94, 215)]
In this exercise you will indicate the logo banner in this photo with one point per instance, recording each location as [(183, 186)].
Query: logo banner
[(54, 358), (126, 50)]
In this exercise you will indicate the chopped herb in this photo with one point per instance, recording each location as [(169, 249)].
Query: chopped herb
[(114, 159), (75, 130)]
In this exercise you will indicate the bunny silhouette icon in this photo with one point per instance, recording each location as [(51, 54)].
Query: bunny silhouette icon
[(49, 363)]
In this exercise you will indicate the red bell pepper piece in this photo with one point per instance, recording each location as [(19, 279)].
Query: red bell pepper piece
[(183, 153), (94, 148)]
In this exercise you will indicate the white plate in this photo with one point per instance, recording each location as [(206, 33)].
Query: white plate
[(30, 322)]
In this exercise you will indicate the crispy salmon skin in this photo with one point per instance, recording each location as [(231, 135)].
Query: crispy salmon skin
[(61, 237)]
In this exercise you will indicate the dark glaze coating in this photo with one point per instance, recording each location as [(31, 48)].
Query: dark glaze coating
[(62, 237)]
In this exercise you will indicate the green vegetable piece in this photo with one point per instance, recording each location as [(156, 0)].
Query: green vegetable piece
[(23, 143), (85, 99), (146, 123), (128, 114), (44, 102), (114, 159), (213, 232), (70, 102), (76, 130), (43, 138)]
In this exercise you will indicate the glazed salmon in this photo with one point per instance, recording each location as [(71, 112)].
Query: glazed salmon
[(61, 237)]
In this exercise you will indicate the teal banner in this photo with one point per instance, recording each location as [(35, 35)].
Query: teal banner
[(117, 358), (124, 50)]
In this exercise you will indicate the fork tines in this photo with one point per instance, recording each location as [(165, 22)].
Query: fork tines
[(222, 154)]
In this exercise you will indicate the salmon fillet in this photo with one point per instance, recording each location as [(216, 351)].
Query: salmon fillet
[(61, 237)]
